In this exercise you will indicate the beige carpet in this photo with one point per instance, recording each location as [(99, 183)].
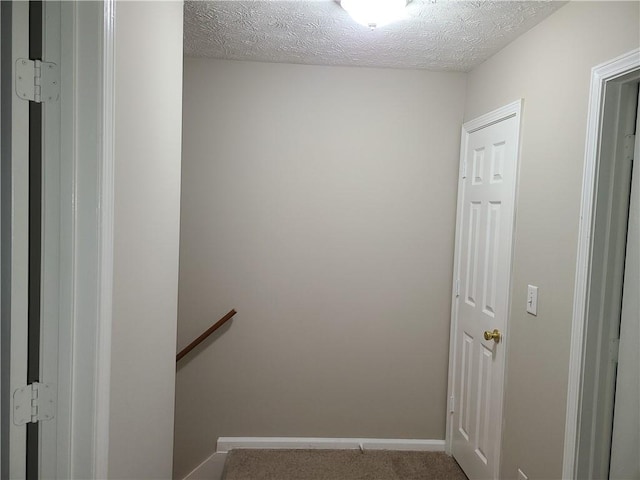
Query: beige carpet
[(340, 465)]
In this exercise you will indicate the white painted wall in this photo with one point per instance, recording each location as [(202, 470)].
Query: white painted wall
[(320, 203), (147, 201), (550, 67)]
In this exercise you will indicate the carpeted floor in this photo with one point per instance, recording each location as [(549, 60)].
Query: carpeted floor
[(340, 465)]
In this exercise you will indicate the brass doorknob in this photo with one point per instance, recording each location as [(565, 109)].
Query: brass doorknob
[(495, 335)]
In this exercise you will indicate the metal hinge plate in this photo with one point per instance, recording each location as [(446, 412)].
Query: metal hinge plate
[(37, 81), (34, 403), (452, 407), (464, 168)]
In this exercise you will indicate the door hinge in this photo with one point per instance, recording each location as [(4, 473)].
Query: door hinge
[(452, 403), (34, 403), (456, 287), (614, 349), (629, 146), (464, 168), (37, 81)]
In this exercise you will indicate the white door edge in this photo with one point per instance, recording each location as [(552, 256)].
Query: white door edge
[(600, 75), (513, 109)]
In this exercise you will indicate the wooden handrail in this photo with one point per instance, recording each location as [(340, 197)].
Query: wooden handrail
[(208, 332)]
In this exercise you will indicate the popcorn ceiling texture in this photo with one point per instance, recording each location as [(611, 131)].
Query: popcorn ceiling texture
[(448, 35)]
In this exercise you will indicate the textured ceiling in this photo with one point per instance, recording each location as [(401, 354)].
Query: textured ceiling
[(448, 35)]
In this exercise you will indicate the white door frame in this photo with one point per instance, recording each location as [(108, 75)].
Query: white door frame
[(105, 196), (77, 447), (51, 282), (15, 250), (87, 101), (601, 75), (513, 109)]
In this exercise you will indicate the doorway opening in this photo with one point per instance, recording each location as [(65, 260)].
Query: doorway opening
[(600, 275)]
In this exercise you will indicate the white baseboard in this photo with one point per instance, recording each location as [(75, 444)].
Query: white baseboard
[(228, 443), (212, 467)]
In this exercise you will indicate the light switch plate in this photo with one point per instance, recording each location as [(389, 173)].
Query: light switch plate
[(532, 300)]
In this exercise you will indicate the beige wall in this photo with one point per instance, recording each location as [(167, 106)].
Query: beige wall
[(550, 67), (320, 203), (147, 202)]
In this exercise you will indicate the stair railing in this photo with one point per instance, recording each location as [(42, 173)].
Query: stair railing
[(207, 332)]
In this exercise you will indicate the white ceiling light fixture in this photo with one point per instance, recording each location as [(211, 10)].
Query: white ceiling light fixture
[(375, 13)]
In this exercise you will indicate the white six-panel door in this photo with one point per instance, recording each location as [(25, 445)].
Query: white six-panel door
[(484, 239)]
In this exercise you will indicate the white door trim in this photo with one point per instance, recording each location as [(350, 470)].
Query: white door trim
[(87, 72), (513, 109), (106, 235), (600, 75)]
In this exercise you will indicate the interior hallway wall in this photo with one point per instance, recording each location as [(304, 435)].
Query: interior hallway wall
[(320, 203), (550, 67), (148, 108)]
